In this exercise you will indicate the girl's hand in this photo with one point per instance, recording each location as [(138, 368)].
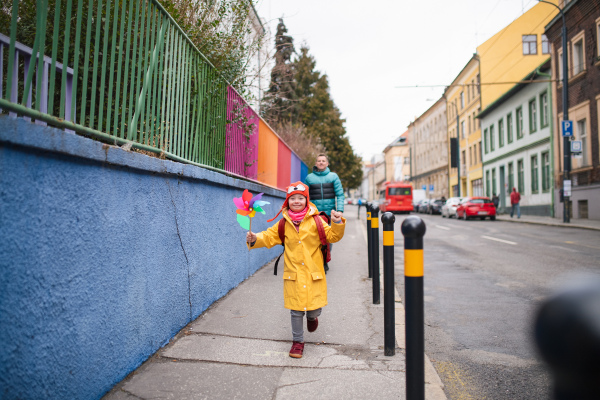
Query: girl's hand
[(336, 216), (250, 237)]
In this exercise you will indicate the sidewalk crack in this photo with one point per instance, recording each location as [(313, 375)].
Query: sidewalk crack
[(184, 253)]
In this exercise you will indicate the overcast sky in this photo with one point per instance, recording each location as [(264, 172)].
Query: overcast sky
[(368, 48)]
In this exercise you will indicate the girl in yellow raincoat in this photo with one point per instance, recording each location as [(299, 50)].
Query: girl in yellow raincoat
[(304, 283)]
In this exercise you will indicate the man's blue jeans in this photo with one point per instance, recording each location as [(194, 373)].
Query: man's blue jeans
[(518, 208)]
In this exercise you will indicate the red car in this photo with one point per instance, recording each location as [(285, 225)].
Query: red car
[(476, 207)]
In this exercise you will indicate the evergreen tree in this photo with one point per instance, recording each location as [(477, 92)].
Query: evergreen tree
[(322, 119), (280, 98)]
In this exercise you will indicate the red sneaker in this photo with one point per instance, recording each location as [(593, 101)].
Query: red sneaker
[(312, 325), (297, 350)]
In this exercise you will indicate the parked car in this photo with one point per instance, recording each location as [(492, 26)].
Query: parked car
[(476, 207), (449, 209), (435, 206), (423, 206)]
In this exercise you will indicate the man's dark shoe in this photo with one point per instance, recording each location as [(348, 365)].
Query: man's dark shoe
[(297, 350), (312, 325)]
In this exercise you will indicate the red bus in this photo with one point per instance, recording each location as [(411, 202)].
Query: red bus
[(396, 197)]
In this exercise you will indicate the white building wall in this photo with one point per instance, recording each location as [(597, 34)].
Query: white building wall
[(532, 143)]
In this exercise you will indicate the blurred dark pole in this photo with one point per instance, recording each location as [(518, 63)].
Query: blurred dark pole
[(567, 332)]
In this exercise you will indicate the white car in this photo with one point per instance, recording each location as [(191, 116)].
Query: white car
[(449, 209)]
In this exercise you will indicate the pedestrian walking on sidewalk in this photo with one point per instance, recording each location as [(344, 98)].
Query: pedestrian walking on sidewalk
[(359, 202), (515, 198), (304, 283), (495, 201)]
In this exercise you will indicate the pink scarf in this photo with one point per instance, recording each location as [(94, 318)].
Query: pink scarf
[(297, 217)]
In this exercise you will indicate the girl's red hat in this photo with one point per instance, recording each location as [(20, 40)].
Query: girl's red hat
[(294, 188)]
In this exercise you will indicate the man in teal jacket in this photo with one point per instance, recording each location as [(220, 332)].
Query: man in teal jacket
[(325, 186)]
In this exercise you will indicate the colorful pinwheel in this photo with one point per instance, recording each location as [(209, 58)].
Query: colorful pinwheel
[(247, 208)]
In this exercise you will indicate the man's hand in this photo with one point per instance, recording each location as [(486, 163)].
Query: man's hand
[(336, 216), (250, 237)]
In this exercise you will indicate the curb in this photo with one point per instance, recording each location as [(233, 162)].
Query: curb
[(593, 228)]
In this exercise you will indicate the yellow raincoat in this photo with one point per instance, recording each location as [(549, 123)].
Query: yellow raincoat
[(304, 283)]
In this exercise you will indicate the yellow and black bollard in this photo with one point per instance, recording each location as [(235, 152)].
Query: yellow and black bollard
[(389, 303), (375, 251), (369, 244), (413, 229)]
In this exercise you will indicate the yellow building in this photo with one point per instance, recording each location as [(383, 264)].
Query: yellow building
[(463, 100), (500, 62), (514, 52), (397, 159)]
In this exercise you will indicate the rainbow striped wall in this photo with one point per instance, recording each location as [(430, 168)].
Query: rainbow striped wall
[(254, 150)]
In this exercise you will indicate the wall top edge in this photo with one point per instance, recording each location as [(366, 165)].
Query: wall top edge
[(22, 133)]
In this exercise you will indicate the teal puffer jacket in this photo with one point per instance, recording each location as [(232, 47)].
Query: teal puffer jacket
[(323, 188)]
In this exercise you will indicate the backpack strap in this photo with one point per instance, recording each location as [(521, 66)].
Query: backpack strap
[(319, 221), (324, 245), (281, 232)]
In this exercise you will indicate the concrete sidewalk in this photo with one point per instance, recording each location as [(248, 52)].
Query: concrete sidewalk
[(549, 221), (239, 347)]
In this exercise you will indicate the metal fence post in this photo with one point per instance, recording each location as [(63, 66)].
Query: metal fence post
[(369, 244), (375, 251), (413, 229), (389, 304)]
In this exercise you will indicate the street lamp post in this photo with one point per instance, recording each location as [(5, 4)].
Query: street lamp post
[(565, 96), (458, 185)]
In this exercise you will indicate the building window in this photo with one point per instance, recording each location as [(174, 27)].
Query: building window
[(462, 129), (462, 100), (532, 116), (470, 155), (487, 183), (494, 181), (519, 122), (478, 84), (582, 135), (559, 62), (545, 171), (477, 187), (500, 133), (545, 45), (511, 176), (486, 139), (578, 52), (520, 177), (469, 124), (544, 109), (598, 38), (492, 145), (509, 128), (534, 174), (529, 44)]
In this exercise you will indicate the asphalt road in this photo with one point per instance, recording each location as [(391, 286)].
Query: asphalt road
[(484, 281)]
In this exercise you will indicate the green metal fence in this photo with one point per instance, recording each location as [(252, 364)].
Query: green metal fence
[(122, 71)]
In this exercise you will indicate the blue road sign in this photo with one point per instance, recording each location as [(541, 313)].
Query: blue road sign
[(431, 188), (567, 128)]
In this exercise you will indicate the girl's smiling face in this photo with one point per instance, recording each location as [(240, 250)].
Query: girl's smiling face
[(297, 202)]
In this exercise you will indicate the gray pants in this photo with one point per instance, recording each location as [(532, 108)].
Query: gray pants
[(298, 322)]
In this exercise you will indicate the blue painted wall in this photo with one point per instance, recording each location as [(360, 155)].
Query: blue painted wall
[(303, 171), (105, 255)]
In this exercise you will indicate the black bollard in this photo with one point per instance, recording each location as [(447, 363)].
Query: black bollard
[(567, 332), (375, 251), (413, 229), (389, 303), (369, 244)]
